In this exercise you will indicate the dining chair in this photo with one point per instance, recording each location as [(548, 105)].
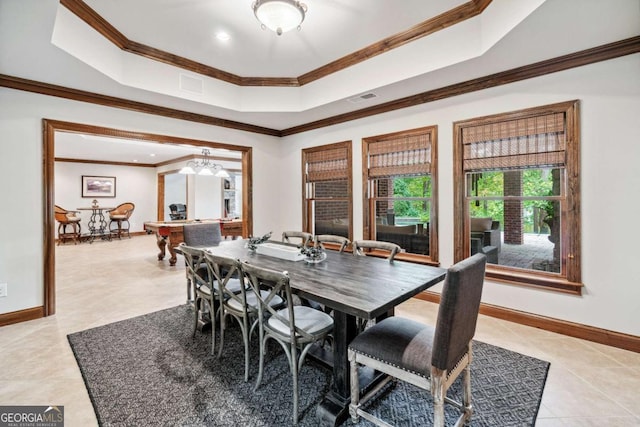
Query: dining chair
[(202, 234), (360, 247), (204, 294), (295, 328), (303, 236), (331, 238), (427, 357), (235, 300), (120, 216), (67, 218)]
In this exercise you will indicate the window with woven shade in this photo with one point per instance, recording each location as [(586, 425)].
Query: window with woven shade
[(517, 193), (400, 191), (327, 190)]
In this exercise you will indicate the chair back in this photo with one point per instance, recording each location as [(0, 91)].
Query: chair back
[(303, 236), (193, 258), (458, 311), (331, 238), (61, 214), (221, 270), (125, 209), (277, 284), (359, 247), (202, 234)]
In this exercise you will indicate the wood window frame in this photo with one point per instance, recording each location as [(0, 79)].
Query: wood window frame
[(368, 217), (307, 220), (570, 282)]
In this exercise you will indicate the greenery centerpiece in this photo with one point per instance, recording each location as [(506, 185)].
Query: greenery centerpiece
[(313, 254), (253, 242)]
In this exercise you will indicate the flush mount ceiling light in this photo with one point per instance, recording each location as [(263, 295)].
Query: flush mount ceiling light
[(279, 15), (204, 166)]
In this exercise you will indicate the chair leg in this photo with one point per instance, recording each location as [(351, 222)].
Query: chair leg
[(294, 374), (196, 308), (60, 234), (262, 350), (467, 407), (223, 319), (245, 338), (355, 388), (212, 319), (437, 391)]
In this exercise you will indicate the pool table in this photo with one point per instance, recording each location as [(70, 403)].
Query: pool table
[(169, 233)]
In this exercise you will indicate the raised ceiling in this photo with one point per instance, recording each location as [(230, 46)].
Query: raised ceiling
[(45, 41), (345, 49)]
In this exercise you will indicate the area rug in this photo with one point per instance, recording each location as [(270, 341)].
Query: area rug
[(151, 370)]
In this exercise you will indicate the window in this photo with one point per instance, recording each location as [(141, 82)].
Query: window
[(400, 191), (327, 193), (517, 195)]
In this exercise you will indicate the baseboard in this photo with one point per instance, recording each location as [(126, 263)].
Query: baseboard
[(21, 315), (576, 330)]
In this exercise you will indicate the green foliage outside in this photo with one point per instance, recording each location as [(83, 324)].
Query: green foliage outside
[(415, 186), (535, 183)]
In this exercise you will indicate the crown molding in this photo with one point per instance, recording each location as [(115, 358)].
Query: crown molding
[(577, 59), (102, 26)]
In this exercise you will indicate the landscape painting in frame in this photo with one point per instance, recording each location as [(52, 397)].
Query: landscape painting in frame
[(98, 186)]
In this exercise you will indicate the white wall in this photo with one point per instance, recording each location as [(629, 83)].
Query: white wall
[(609, 95), (133, 184)]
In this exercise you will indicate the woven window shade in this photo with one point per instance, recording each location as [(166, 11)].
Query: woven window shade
[(530, 142), (327, 165), (405, 155)]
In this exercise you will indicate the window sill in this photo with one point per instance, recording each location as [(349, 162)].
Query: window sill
[(536, 280)]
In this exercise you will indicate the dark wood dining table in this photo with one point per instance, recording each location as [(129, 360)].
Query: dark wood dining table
[(352, 286)]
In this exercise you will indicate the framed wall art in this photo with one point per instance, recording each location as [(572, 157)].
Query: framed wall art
[(98, 186)]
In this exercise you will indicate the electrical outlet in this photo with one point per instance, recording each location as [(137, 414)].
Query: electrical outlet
[(3, 289)]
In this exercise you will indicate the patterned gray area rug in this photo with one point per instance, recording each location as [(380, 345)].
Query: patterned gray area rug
[(150, 370)]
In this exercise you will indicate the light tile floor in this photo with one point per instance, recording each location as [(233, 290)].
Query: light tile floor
[(589, 384)]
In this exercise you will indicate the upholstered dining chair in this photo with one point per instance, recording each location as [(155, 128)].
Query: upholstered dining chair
[(120, 216), (202, 234), (235, 300), (303, 236), (204, 294), (67, 218), (296, 328), (360, 248), (330, 238), (427, 357)]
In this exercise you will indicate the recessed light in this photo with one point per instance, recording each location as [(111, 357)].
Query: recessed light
[(222, 36), (152, 155)]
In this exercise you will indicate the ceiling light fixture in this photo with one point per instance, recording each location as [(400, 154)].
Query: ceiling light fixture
[(279, 15), (204, 166)]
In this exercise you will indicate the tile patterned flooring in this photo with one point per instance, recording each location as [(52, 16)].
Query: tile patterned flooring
[(589, 384)]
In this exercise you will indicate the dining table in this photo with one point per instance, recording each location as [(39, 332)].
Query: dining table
[(352, 287)]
